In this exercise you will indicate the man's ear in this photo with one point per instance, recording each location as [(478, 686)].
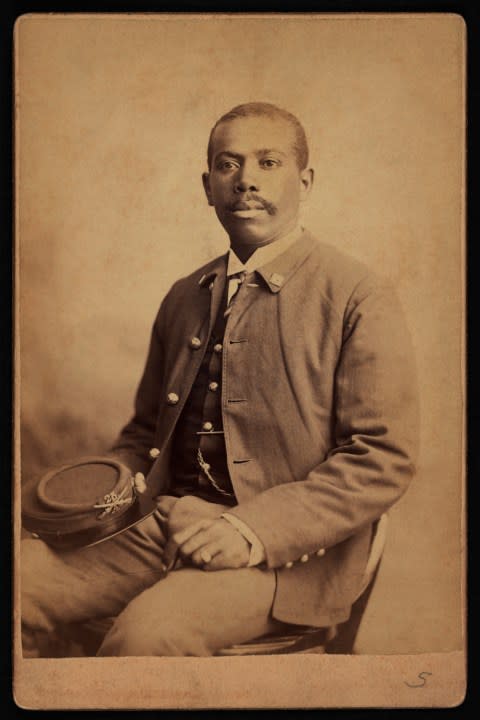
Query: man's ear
[(306, 179), (206, 187)]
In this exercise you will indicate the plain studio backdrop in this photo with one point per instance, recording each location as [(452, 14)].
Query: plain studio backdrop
[(112, 117)]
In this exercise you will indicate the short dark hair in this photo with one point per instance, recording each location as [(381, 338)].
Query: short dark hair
[(263, 109)]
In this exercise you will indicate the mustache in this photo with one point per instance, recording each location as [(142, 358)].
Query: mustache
[(248, 200)]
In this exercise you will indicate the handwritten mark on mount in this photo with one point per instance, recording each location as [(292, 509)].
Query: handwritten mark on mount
[(422, 677)]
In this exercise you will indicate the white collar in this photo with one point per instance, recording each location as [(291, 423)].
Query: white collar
[(262, 255)]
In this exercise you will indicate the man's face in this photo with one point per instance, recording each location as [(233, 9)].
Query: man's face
[(254, 182)]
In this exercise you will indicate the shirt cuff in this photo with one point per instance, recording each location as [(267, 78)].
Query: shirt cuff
[(257, 551)]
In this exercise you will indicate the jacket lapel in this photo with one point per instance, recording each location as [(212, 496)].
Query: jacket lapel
[(216, 287), (201, 306)]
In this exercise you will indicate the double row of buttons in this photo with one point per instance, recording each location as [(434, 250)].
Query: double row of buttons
[(173, 398), (196, 343)]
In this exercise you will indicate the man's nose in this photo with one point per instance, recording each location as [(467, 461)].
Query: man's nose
[(246, 180)]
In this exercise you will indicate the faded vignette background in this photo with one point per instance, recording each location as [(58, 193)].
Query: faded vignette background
[(112, 120)]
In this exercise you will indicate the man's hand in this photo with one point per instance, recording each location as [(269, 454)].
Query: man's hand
[(213, 544), (182, 512)]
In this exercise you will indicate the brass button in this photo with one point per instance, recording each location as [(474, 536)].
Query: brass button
[(289, 564), (213, 386), (304, 558), (218, 348), (154, 452), (321, 552), (207, 426), (195, 343), (172, 398)]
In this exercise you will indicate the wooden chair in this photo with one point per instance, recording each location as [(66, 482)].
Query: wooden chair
[(340, 639)]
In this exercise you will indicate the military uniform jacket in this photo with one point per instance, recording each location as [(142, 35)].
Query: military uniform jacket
[(319, 413)]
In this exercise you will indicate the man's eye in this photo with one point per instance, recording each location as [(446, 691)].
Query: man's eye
[(227, 165), (269, 163)]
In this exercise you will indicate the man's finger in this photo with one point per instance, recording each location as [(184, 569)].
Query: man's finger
[(205, 554), (219, 562), (201, 539), (165, 504), (182, 536)]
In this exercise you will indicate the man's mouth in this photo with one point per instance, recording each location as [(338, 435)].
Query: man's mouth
[(251, 208), (243, 210), (246, 206)]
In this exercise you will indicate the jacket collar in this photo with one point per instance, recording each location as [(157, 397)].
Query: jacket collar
[(274, 273), (278, 271), (217, 268)]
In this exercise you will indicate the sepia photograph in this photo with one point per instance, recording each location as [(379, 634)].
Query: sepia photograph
[(239, 361)]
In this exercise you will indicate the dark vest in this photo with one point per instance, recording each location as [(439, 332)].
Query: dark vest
[(200, 427)]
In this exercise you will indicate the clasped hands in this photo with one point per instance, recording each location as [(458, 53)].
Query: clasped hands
[(200, 536)]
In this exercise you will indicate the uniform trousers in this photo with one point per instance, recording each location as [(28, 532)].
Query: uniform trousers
[(188, 612)]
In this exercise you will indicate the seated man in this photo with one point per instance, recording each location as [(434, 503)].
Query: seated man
[(275, 420)]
